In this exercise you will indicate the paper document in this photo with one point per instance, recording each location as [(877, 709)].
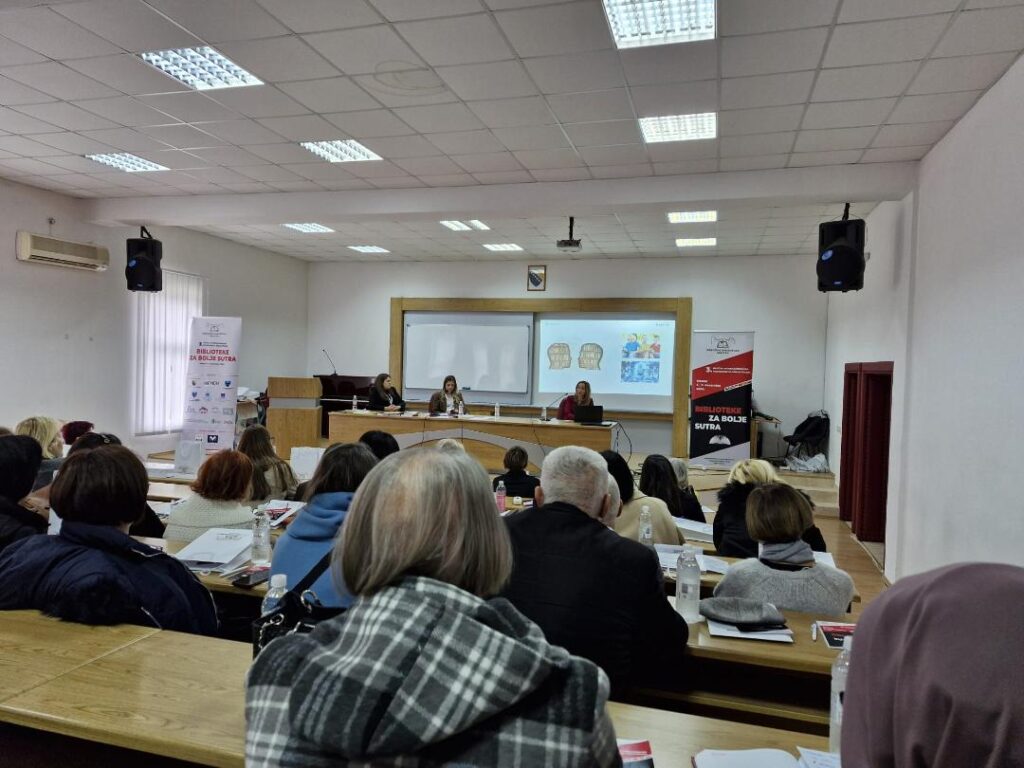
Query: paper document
[(744, 758), (812, 758), (695, 531), (707, 510), (304, 460), (281, 511), (825, 557), (712, 564), (217, 549), (669, 553), (718, 629)]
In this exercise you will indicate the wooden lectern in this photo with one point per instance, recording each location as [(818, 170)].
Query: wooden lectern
[(293, 417)]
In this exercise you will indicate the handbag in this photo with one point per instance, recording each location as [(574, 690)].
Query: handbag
[(298, 612)]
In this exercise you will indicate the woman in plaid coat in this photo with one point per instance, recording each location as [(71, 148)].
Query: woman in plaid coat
[(424, 670)]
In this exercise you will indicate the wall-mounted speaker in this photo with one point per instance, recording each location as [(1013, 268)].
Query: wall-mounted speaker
[(143, 271), (841, 254)]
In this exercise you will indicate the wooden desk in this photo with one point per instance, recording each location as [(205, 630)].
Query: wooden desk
[(212, 581), (167, 491), (709, 580), (484, 437)]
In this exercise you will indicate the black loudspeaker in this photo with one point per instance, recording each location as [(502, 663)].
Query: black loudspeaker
[(143, 271), (841, 255)]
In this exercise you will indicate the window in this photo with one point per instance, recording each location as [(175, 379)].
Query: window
[(161, 352)]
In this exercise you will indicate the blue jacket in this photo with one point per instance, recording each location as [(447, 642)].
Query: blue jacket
[(307, 539), (95, 574)]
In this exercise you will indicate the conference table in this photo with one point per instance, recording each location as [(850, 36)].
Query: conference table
[(486, 438), (138, 691)]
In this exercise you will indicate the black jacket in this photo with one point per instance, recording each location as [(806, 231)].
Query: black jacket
[(518, 483), (598, 595), (95, 574), (730, 525), (379, 403), (692, 509), (16, 522)]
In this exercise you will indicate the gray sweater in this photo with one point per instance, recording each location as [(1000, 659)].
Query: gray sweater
[(819, 589)]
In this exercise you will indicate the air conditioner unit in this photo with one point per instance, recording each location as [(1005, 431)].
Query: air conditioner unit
[(41, 249)]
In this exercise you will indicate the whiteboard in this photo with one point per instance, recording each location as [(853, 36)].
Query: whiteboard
[(490, 358)]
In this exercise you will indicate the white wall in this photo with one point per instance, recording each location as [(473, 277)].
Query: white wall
[(349, 309), (66, 341)]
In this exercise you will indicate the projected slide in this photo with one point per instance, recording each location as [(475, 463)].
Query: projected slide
[(490, 358), (627, 357)]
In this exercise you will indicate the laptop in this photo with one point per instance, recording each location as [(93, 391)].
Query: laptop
[(589, 415)]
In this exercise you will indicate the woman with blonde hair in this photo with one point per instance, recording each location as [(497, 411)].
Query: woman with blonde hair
[(272, 476), (449, 398), (424, 551), (45, 431)]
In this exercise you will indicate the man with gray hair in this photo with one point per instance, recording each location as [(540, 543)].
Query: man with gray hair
[(593, 592)]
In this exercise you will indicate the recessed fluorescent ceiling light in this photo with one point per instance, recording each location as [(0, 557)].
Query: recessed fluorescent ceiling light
[(368, 249), (309, 228), (636, 23), (692, 217), (200, 68), (340, 151), (695, 242), (458, 226), (477, 224), (124, 161), (502, 247), (679, 127)]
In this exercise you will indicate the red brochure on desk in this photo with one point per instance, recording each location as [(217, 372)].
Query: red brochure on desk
[(636, 754)]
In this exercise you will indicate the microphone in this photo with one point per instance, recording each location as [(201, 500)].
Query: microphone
[(330, 361), (556, 400)]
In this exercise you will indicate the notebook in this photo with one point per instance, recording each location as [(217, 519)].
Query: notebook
[(718, 629), (694, 531), (218, 550), (764, 758)]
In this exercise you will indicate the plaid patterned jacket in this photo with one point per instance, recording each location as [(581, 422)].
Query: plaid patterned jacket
[(425, 674)]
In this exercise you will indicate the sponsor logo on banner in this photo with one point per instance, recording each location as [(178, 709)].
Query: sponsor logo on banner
[(212, 375), (720, 391)]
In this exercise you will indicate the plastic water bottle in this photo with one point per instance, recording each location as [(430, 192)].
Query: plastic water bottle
[(840, 669), (688, 585), (260, 538), (462, 409), (500, 496), (497, 410), (278, 589), (646, 527), (355, 403), (544, 413)]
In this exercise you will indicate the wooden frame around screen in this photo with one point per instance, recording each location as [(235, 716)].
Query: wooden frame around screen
[(681, 307)]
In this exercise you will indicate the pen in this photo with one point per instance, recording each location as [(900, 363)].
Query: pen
[(814, 632)]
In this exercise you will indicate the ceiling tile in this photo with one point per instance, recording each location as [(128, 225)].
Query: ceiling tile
[(13, 121), (372, 123), (428, 166), (12, 54), (448, 180), (278, 59), (78, 163), (13, 93), (738, 122), (502, 79), (894, 154), (805, 159), (191, 107), (217, 175), (910, 135), (231, 156), (460, 40), (964, 73), (404, 10), (834, 139), (852, 83), (172, 158), (878, 42), (488, 163), (267, 172), (130, 24), (625, 154), (302, 127), (336, 94), (181, 136), (367, 50), (774, 52), (756, 144), (501, 5), (318, 171), (847, 114), (681, 99), (934, 107), (467, 142), (747, 17), (595, 105), (66, 116), (259, 101), (440, 118), (504, 177), (662, 64), (682, 167), (19, 145), (766, 91), (73, 143), (317, 15), (526, 137), (621, 171), (242, 132), (408, 88), (50, 34), (125, 110), (28, 166), (569, 73), (868, 10), (283, 153), (556, 29), (557, 174), (753, 163), (604, 133), (509, 113), (128, 74), (402, 146), (222, 20), (984, 31), (673, 151), (57, 80), (126, 139)]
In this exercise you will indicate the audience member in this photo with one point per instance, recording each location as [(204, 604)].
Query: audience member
[(518, 482), (20, 457), (614, 503), (4, 431), (785, 574), (312, 532), (467, 679), (450, 444), (219, 499), (633, 502), (935, 679), (72, 430), (93, 572), (382, 444), (384, 396), (45, 431), (689, 496), (658, 479), (272, 476), (730, 524), (599, 595)]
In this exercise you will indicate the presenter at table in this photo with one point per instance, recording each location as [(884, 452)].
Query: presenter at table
[(383, 395), (567, 408), (448, 398)]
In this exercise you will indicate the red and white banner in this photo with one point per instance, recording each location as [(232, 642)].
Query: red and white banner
[(720, 391), (211, 381)]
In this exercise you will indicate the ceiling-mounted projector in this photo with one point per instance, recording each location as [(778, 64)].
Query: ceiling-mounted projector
[(569, 245)]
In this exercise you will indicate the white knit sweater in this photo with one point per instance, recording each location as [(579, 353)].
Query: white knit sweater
[(192, 517), (819, 589)]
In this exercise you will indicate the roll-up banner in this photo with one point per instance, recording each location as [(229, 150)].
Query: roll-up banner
[(212, 383), (720, 392)]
